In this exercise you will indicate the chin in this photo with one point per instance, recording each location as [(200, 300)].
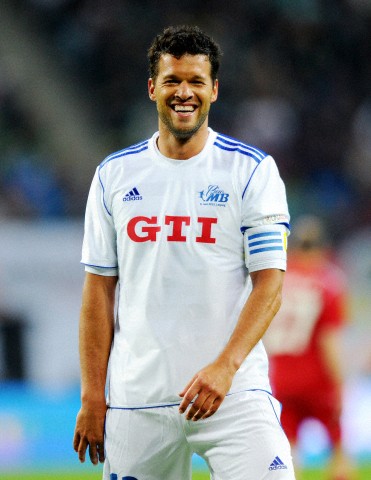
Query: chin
[(186, 132)]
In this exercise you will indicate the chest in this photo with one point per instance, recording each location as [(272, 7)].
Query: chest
[(179, 205)]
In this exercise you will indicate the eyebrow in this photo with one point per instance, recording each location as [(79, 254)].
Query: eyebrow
[(176, 77)]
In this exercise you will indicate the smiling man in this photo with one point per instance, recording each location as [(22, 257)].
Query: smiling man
[(183, 90), (189, 230)]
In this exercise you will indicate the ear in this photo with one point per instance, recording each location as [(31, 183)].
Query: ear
[(151, 89), (215, 91)]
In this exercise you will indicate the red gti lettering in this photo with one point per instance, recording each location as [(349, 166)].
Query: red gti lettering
[(206, 230), (149, 231), (177, 222), (145, 229)]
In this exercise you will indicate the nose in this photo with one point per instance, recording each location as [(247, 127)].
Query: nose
[(184, 91)]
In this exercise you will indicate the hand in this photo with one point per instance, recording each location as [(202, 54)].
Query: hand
[(89, 431), (208, 389)]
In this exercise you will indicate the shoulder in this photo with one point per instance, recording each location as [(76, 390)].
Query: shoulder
[(128, 152), (230, 145)]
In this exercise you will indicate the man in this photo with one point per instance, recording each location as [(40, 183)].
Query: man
[(304, 340), (170, 220)]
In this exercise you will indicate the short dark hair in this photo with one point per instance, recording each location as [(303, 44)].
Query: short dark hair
[(309, 232), (180, 40)]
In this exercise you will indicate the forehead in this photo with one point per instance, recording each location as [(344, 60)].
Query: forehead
[(186, 65)]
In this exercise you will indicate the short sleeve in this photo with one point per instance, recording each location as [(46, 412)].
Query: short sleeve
[(265, 218), (99, 245)]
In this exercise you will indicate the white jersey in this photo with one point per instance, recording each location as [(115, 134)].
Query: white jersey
[(182, 236)]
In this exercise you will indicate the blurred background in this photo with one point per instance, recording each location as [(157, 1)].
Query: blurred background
[(295, 80)]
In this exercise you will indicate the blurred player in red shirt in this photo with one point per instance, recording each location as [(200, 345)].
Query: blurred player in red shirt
[(304, 342)]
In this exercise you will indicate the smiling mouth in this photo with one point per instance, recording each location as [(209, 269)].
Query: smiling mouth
[(184, 108)]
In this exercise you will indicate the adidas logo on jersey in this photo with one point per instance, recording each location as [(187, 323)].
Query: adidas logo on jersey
[(132, 195), (277, 464)]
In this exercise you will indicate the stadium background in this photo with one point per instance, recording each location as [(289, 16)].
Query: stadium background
[(295, 80)]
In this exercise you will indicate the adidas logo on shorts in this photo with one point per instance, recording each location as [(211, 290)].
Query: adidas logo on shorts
[(277, 464)]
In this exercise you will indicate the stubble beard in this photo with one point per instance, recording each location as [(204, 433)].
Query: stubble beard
[(182, 134)]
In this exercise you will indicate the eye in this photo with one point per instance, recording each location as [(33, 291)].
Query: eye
[(171, 81)]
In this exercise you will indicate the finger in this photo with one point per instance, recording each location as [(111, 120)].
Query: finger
[(187, 387), (93, 453), (101, 452), (76, 441), (202, 411), (213, 408), (189, 396), (197, 409), (81, 450)]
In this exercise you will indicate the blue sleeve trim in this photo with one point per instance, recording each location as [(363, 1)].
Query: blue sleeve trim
[(103, 192), (266, 242), (266, 249), (287, 225), (97, 266), (264, 234), (248, 183)]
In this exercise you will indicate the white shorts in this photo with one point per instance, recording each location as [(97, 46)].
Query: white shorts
[(243, 440)]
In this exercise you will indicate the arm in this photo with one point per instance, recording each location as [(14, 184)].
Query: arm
[(337, 315), (96, 333), (329, 344), (212, 383)]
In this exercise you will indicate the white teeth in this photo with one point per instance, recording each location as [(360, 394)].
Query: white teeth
[(183, 108)]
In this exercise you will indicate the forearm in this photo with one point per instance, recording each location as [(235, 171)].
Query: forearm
[(95, 336), (256, 315), (208, 388), (331, 353)]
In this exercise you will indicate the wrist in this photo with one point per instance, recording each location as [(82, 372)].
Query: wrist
[(93, 399), (230, 363)]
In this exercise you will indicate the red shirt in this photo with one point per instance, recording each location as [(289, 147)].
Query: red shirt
[(313, 300)]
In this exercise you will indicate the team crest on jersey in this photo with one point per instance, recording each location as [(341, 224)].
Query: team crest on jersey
[(213, 195)]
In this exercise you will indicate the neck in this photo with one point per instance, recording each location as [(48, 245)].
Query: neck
[(181, 148)]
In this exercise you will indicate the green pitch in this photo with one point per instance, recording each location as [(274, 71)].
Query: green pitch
[(364, 474)]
